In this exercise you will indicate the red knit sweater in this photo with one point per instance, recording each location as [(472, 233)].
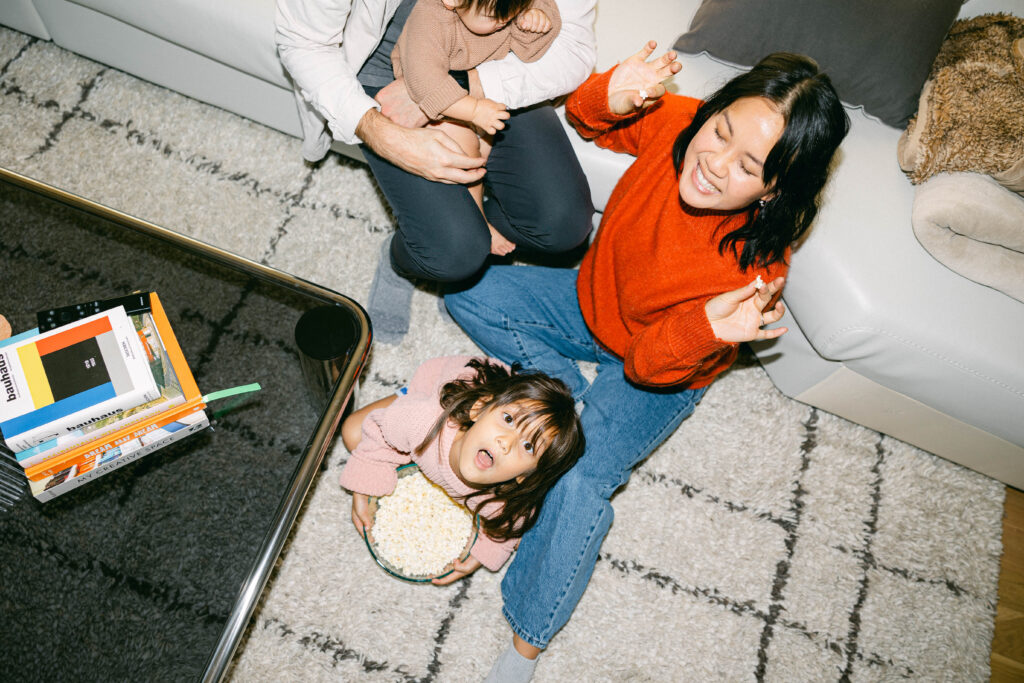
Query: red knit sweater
[(644, 282)]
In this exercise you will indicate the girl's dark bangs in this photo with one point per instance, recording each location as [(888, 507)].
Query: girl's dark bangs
[(538, 417)]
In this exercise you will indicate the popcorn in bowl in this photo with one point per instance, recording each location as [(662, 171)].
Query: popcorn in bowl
[(418, 530)]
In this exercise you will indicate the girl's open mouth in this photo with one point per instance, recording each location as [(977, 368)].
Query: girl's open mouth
[(484, 459)]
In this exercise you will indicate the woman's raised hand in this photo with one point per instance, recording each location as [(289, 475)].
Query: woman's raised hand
[(637, 83), (739, 315)]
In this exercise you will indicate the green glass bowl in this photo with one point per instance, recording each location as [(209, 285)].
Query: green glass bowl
[(371, 544)]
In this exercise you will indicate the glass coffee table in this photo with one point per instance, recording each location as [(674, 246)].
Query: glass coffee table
[(153, 571)]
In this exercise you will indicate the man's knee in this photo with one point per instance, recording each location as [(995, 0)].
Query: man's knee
[(447, 258), (576, 214), (564, 223)]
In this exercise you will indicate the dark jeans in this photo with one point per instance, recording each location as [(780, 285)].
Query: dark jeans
[(539, 199)]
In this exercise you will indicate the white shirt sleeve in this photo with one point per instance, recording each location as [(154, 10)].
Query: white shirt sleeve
[(565, 65), (309, 40)]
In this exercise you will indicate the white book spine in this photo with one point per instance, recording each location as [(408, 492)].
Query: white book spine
[(62, 444), (127, 452)]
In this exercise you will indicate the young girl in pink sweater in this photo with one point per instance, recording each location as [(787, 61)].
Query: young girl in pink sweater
[(492, 438)]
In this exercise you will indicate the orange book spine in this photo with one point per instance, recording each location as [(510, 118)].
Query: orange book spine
[(170, 342), (86, 454)]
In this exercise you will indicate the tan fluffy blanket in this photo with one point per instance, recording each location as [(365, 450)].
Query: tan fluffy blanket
[(971, 112), (973, 226)]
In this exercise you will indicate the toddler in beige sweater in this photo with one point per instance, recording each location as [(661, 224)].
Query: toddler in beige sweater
[(457, 35)]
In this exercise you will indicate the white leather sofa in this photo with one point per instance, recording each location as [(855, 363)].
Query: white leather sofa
[(880, 332)]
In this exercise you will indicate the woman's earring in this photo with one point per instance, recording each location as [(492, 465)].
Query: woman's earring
[(761, 202)]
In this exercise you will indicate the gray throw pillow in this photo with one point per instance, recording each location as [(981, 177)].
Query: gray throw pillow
[(877, 52)]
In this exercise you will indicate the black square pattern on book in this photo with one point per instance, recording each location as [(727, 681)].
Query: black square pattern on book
[(75, 368)]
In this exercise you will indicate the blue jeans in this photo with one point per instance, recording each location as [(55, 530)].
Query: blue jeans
[(531, 315)]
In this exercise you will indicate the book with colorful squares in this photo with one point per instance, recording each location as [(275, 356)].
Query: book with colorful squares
[(64, 469), (171, 394), (57, 382)]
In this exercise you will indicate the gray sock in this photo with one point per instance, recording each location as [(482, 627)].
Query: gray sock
[(442, 309), (511, 667), (389, 300)]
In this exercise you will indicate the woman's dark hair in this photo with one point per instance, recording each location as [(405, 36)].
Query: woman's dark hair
[(502, 10), (797, 167), (550, 412)]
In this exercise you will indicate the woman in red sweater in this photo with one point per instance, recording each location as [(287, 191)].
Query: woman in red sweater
[(692, 251)]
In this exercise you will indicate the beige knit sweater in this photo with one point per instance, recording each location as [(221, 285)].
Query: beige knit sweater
[(435, 41)]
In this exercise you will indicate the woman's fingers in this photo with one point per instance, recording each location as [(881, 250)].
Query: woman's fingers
[(767, 291), (774, 315), (665, 63), (773, 333), (646, 51)]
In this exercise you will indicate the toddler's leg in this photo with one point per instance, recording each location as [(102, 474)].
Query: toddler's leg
[(474, 145), (541, 196)]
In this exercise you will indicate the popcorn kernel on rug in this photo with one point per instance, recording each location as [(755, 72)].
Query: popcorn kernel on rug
[(765, 540)]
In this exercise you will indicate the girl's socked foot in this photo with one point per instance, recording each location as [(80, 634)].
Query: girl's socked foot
[(511, 667)]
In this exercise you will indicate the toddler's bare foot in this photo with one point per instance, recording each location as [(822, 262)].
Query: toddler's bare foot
[(499, 244)]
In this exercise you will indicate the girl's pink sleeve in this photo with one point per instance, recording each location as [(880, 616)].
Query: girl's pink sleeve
[(491, 553), (392, 434), (371, 467)]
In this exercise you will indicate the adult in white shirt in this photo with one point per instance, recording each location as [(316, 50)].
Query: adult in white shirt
[(337, 53)]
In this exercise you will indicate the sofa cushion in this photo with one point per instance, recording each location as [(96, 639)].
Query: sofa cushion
[(974, 227), (238, 33), (877, 52)]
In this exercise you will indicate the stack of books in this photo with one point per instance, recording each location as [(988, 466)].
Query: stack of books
[(89, 396)]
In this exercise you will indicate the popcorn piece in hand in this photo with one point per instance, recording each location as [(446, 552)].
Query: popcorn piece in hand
[(758, 283)]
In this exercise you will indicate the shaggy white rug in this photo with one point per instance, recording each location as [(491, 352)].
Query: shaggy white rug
[(765, 540)]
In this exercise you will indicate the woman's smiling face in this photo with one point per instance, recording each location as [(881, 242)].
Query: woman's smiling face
[(722, 167)]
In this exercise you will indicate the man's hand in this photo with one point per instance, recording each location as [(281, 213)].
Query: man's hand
[(533, 21), (397, 105), (426, 152)]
